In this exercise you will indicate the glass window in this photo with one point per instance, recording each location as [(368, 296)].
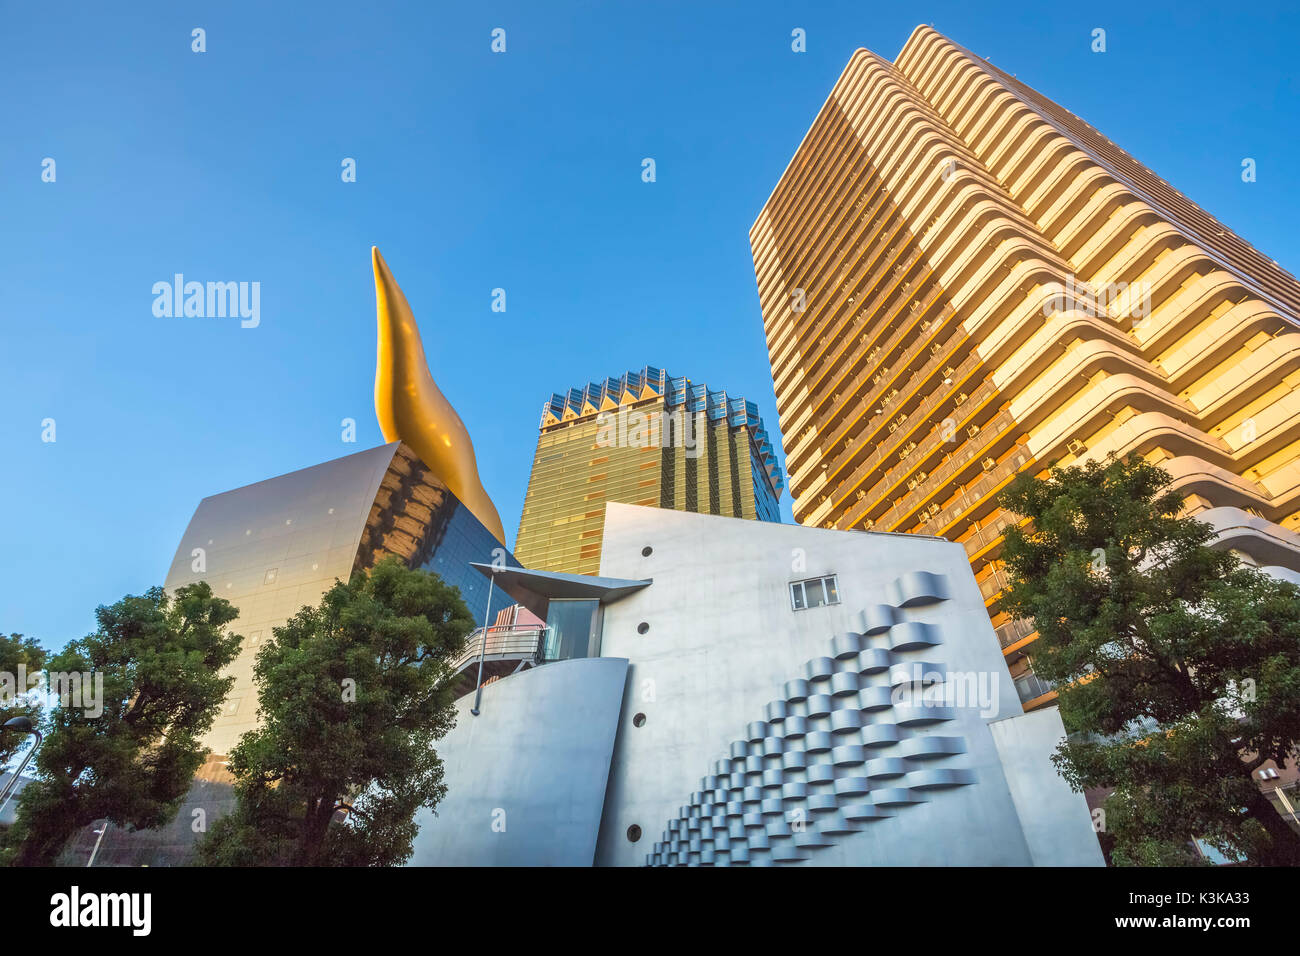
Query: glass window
[(574, 629), (815, 592)]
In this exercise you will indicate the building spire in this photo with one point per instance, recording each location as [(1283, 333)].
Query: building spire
[(411, 409)]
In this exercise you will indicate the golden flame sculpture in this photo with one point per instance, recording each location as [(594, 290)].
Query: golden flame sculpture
[(411, 409)]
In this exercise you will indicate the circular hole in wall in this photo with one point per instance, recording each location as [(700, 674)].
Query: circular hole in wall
[(638, 720), (647, 551), (642, 627), (634, 833)]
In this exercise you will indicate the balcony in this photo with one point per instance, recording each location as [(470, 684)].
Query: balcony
[(993, 584), (968, 451), (1013, 632), (508, 649), (1030, 687), (850, 333), (891, 443), (856, 389), (872, 320), (981, 538), (804, 226), (974, 494), (826, 281)]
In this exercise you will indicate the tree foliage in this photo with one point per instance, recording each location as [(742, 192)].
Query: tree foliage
[(17, 652), (1178, 668), (159, 658), (353, 694)]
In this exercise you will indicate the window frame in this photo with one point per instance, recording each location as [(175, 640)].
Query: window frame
[(830, 593)]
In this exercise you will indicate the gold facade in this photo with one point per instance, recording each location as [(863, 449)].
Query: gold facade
[(961, 281), (582, 463)]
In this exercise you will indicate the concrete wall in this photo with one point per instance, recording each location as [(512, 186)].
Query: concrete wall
[(526, 778), (1055, 819), (723, 641)]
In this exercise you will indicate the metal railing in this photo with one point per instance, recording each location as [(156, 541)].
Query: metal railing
[(856, 323), (892, 442), (979, 539), (978, 490), (849, 417), (876, 324), (512, 643), (1030, 686), (832, 320), (1013, 631), (989, 433), (993, 583)]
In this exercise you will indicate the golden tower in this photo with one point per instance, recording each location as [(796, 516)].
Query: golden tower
[(643, 438)]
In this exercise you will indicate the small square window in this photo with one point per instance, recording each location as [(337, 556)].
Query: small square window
[(815, 592)]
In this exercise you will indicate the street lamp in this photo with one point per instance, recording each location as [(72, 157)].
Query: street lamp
[(482, 652), (95, 852), (24, 726)]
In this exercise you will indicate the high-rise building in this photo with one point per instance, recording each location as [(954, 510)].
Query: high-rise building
[(960, 281), (644, 438)]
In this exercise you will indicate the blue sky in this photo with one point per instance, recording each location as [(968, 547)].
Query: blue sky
[(474, 171)]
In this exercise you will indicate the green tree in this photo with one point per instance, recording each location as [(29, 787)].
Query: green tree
[(353, 694), (17, 651), (159, 659), (1178, 668)]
